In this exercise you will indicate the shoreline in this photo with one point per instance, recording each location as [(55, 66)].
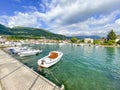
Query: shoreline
[(110, 46), (68, 43), (82, 44)]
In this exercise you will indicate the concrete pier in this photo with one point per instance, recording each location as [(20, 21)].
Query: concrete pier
[(16, 76)]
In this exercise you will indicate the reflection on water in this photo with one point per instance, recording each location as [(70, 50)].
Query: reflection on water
[(81, 67)]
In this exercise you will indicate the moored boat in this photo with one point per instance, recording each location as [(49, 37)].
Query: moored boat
[(52, 58), (16, 50), (29, 52)]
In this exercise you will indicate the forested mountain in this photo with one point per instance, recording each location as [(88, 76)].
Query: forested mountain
[(28, 32), (5, 30)]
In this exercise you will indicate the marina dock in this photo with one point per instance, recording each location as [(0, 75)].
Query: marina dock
[(16, 76)]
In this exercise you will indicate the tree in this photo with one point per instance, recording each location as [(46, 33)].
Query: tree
[(111, 35), (110, 42), (96, 42), (74, 39)]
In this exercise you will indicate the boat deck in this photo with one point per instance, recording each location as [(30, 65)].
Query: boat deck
[(16, 76)]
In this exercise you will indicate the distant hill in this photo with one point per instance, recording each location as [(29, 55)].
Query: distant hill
[(82, 37), (5, 30), (28, 32)]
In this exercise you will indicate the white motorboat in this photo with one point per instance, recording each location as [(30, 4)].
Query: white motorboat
[(16, 50), (29, 52), (51, 59)]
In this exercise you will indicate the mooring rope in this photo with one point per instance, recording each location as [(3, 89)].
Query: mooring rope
[(50, 72)]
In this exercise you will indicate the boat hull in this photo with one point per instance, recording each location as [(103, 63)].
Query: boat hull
[(28, 53), (49, 62)]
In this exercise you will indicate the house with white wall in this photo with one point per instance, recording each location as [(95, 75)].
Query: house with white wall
[(88, 40)]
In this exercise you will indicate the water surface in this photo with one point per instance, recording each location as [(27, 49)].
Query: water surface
[(81, 67)]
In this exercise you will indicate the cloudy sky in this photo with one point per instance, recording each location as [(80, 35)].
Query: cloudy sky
[(67, 17)]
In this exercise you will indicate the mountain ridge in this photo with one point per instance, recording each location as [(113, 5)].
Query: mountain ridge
[(28, 32)]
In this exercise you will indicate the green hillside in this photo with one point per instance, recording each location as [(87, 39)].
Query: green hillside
[(5, 30), (27, 32)]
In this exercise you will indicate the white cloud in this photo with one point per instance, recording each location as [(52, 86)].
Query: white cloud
[(23, 19), (70, 17), (92, 26), (76, 11), (117, 21)]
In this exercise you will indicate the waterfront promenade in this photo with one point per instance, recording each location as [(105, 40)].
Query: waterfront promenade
[(16, 76)]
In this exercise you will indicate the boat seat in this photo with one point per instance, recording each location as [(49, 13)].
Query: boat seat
[(53, 55)]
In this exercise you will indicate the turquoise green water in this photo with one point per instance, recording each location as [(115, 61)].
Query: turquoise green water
[(81, 68)]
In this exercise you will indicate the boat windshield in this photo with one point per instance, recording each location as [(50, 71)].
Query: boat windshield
[(53, 55)]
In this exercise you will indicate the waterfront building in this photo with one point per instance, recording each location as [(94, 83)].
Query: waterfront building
[(88, 40)]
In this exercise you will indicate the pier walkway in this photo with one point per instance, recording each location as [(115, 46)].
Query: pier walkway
[(16, 76)]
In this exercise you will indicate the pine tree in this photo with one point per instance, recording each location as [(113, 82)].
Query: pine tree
[(111, 35)]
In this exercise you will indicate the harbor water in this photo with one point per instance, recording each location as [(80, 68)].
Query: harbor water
[(81, 67)]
